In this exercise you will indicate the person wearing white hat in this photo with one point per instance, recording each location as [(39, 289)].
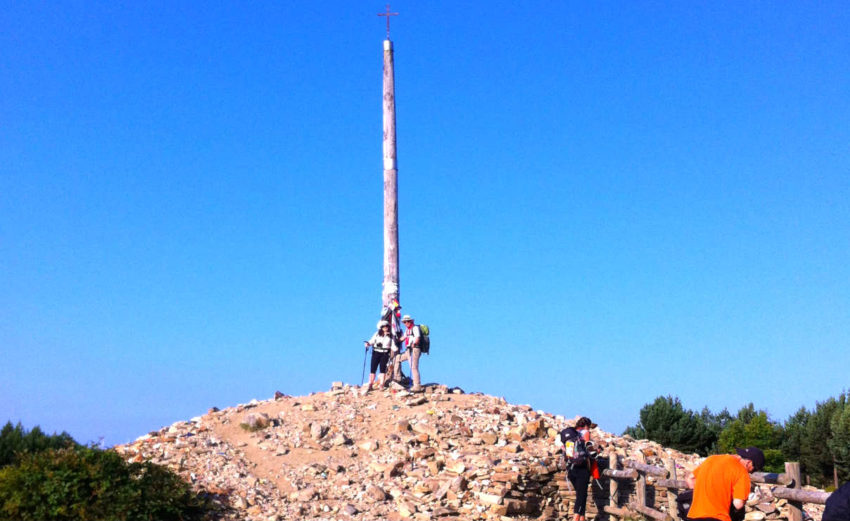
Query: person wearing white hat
[(382, 342), (410, 338)]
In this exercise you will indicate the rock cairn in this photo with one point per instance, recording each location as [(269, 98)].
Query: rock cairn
[(442, 454)]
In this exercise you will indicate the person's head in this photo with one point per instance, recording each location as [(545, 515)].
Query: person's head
[(383, 326), (585, 423), (407, 320), (752, 458)]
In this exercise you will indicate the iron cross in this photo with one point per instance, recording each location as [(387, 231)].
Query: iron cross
[(388, 14)]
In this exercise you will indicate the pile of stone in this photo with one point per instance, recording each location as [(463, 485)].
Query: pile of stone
[(441, 454)]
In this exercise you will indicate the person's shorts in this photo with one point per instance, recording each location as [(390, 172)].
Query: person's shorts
[(379, 360)]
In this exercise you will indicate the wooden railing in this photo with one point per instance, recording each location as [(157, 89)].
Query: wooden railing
[(787, 487)]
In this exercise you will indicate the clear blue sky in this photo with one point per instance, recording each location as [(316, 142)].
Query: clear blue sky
[(599, 203)]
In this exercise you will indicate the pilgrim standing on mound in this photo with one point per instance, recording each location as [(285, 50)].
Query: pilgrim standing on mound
[(412, 339), (382, 342)]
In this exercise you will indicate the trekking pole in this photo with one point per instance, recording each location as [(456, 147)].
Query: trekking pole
[(363, 374)]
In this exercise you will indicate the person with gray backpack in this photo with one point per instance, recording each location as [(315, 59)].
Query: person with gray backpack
[(417, 341)]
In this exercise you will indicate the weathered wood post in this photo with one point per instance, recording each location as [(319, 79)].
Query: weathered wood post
[(795, 507), (640, 485), (672, 507), (391, 279), (614, 486)]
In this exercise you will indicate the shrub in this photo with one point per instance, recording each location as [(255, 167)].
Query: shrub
[(86, 484)]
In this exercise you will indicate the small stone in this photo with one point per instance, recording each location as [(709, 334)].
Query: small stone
[(455, 466), (376, 493), (755, 515), (406, 508), (490, 499), (489, 438), (371, 445), (318, 430), (393, 469), (340, 439), (767, 508), (255, 421)]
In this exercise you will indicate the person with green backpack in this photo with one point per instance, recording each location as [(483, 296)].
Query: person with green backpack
[(417, 341)]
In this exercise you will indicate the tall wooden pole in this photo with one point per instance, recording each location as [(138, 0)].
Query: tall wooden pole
[(391, 284)]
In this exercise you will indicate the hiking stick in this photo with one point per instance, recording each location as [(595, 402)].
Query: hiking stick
[(363, 374)]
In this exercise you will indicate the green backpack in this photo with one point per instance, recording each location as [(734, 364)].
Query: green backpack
[(424, 338)]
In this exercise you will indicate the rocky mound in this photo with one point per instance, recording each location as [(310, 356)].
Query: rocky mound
[(391, 455)]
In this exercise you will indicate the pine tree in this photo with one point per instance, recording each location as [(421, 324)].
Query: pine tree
[(795, 431), (667, 422), (815, 455), (839, 445)]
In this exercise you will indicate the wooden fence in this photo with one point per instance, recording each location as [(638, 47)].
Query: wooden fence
[(788, 486)]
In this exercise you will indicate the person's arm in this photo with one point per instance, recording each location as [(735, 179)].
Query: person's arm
[(370, 342), (741, 490), (691, 480), (414, 336)]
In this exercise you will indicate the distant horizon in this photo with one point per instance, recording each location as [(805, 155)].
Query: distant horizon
[(598, 204)]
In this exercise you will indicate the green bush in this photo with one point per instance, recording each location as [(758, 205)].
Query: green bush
[(16, 440), (86, 484)]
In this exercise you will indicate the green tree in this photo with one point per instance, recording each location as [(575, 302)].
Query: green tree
[(795, 431), (816, 458), (732, 437), (15, 440), (839, 444), (715, 423), (667, 422), (754, 428), (747, 413)]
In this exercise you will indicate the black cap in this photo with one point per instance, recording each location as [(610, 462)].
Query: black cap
[(753, 454)]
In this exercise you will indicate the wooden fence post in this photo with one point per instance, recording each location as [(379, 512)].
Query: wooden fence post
[(614, 487), (640, 485), (672, 507), (795, 507)]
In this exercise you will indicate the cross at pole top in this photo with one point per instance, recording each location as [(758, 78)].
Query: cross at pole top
[(388, 14)]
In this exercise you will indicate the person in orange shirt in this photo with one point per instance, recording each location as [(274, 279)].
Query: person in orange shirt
[(722, 481)]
